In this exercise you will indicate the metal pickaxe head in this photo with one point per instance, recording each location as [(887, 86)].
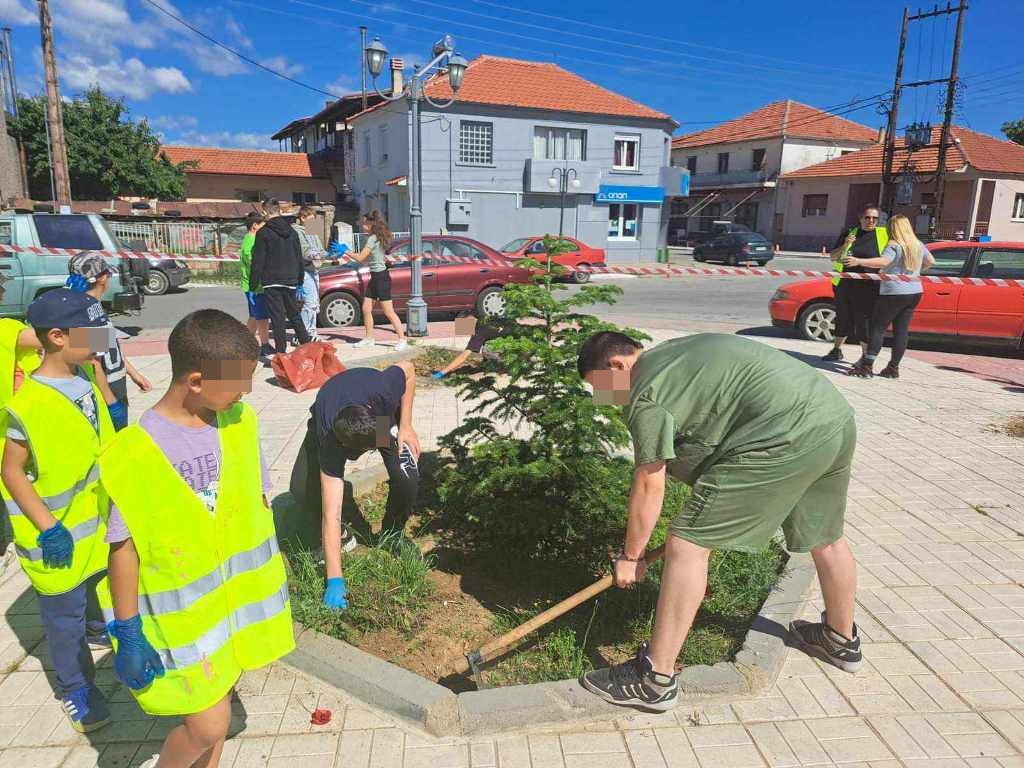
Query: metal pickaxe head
[(475, 661)]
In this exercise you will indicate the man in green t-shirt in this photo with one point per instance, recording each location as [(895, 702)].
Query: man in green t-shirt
[(766, 442), (259, 317)]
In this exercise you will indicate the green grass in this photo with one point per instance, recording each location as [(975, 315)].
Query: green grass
[(384, 591), (432, 359)]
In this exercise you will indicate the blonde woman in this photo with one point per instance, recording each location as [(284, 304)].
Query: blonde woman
[(907, 256)]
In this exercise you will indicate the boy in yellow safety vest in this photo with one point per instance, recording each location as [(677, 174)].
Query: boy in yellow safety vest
[(56, 425), (196, 592)]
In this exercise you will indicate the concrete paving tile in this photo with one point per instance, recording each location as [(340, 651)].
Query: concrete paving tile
[(675, 748), (27, 757), (388, 746), (735, 756), (717, 736), (584, 744), (354, 749), (306, 744), (483, 754), (513, 752), (611, 760), (357, 719), (444, 756), (308, 761), (546, 750), (773, 746), (981, 745), (1010, 725)]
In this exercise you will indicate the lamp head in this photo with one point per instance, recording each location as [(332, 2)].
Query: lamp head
[(375, 55), (575, 183), (552, 182), (445, 45), (456, 71)]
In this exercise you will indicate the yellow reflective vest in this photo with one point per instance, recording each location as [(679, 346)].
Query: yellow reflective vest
[(881, 235), (10, 358), (213, 593), (64, 446)]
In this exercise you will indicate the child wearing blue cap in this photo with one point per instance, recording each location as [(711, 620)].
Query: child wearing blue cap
[(52, 493)]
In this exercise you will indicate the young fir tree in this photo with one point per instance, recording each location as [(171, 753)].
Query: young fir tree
[(533, 472)]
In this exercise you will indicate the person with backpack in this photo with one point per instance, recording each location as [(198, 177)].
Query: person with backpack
[(277, 271)]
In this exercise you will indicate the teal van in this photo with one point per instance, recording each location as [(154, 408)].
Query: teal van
[(31, 274)]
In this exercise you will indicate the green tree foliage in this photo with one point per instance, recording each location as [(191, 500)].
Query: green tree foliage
[(109, 154), (552, 489), (1014, 130)]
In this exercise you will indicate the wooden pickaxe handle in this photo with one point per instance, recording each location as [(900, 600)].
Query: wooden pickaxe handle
[(498, 644)]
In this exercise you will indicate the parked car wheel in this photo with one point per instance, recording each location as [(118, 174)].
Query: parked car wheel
[(698, 255), (731, 261), (156, 283), (817, 322), (340, 310), (761, 263), (490, 303), (581, 276)]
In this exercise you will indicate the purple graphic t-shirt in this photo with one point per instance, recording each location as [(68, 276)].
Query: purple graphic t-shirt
[(194, 452)]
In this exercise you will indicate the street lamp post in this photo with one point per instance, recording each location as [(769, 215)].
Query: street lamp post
[(443, 53), (561, 179)]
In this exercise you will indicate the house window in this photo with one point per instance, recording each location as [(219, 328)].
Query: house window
[(723, 162), (559, 143), (691, 164), (627, 153), (1018, 207), (367, 150), (383, 144), (815, 205), (249, 195), (476, 142), (758, 161), (622, 221), (304, 198)]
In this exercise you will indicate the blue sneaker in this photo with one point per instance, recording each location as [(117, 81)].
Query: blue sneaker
[(86, 709)]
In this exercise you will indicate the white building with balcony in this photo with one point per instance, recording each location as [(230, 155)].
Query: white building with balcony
[(734, 167)]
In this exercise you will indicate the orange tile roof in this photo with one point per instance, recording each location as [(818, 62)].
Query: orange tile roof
[(245, 162), (980, 151), (503, 82), (781, 118)]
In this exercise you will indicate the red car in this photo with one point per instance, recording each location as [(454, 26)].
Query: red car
[(992, 314), (578, 255), (447, 286)]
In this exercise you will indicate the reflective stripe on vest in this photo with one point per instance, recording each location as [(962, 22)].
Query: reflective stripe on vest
[(171, 601), (881, 237), (213, 591), (64, 446), (62, 499)]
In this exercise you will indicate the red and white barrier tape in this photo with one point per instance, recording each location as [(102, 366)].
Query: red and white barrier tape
[(668, 271)]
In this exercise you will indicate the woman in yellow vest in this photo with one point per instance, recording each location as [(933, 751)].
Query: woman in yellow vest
[(56, 425), (197, 591)]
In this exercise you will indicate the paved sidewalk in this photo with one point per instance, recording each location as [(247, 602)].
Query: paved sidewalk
[(936, 518)]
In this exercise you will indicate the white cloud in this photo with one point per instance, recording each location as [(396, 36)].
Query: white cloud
[(345, 84), (235, 31), (13, 12), (103, 26), (130, 78), (282, 65), (173, 122), (213, 60), (235, 139)]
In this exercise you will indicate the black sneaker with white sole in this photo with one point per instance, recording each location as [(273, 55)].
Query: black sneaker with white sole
[(820, 640), (634, 684)]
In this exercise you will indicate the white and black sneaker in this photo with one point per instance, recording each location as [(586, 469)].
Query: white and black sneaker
[(634, 683), (348, 538), (820, 640)]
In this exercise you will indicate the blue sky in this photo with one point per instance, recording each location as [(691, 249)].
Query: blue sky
[(700, 62)]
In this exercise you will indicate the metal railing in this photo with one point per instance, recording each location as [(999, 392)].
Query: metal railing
[(181, 237), (732, 177)]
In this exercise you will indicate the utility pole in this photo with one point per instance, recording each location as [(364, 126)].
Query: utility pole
[(54, 115), (362, 61), (889, 148), (944, 142)]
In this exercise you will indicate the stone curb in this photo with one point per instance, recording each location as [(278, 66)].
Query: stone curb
[(441, 712)]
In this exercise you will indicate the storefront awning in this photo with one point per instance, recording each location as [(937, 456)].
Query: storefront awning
[(398, 181)]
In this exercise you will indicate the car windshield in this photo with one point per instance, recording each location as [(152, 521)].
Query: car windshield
[(515, 245), (751, 237)]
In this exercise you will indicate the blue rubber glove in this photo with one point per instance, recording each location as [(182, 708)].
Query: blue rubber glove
[(334, 595), (118, 415), (136, 662), (437, 375), (57, 546)]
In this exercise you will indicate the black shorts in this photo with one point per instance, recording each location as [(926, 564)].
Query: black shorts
[(380, 286), (855, 303)]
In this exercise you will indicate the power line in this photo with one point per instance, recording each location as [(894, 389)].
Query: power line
[(240, 55), (616, 43), (620, 32), (660, 66)]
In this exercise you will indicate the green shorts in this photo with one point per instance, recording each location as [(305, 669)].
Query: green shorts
[(740, 505)]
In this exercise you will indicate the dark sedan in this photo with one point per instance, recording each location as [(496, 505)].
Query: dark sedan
[(736, 248), (474, 285), (165, 275)]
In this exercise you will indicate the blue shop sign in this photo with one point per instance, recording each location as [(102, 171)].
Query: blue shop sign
[(613, 193)]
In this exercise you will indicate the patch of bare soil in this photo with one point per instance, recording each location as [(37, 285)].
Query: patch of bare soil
[(1015, 426)]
